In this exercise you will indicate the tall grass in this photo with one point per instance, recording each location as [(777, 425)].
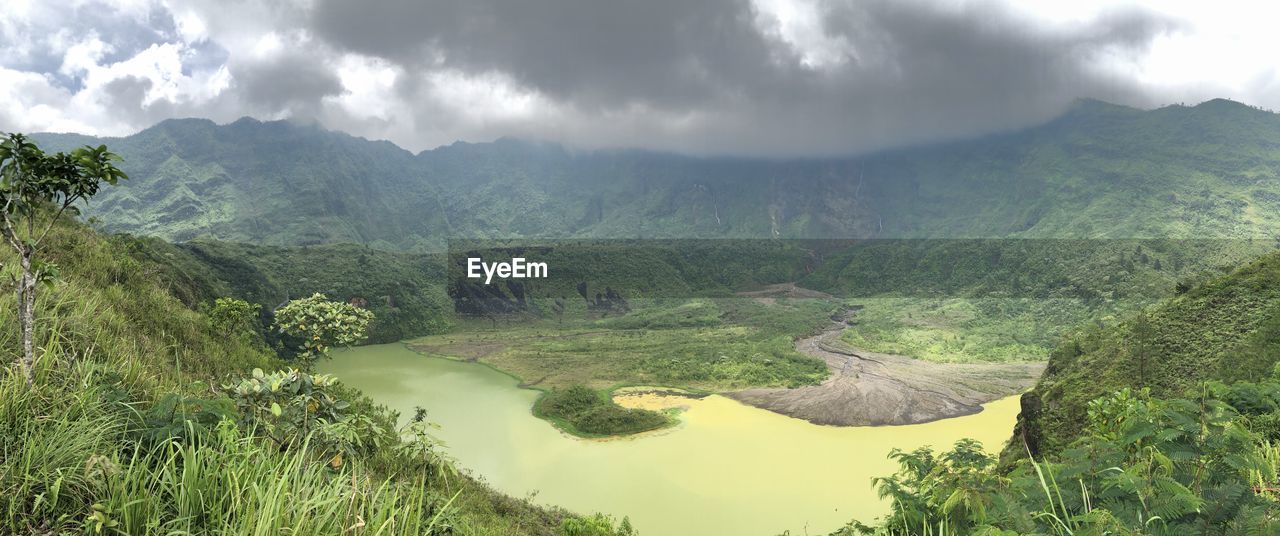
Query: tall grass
[(70, 463), (74, 453), (230, 485)]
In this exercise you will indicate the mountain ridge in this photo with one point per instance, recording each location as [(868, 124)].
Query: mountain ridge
[(1098, 171)]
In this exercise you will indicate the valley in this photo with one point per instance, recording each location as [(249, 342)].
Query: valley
[(710, 344), (635, 268)]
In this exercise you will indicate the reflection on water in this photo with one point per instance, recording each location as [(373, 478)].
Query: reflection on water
[(726, 469)]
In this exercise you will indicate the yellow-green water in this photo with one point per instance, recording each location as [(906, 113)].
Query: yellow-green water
[(726, 469)]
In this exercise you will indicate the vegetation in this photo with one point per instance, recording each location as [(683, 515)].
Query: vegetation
[(700, 344), (1099, 175), (1152, 425), (115, 425), (1001, 300), (1222, 329), (586, 412), (231, 316), (404, 291), (30, 181), (1142, 466), (316, 324)]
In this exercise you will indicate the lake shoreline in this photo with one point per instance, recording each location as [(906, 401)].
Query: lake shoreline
[(720, 470)]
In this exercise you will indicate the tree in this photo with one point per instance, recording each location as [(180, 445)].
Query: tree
[(1141, 343), (320, 324), (230, 315), (36, 189)]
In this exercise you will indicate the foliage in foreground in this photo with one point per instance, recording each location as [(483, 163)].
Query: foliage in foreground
[(84, 454), (1145, 466), (582, 411), (36, 189)]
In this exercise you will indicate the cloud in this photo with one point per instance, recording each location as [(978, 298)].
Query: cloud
[(765, 78), (291, 83), (757, 77)]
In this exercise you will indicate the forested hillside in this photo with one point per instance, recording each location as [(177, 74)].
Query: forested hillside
[(1001, 299), (1099, 171), (1226, 329), (405, 291)]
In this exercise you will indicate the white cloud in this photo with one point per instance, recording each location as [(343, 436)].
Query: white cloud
[(1227, 48), (798, 23)]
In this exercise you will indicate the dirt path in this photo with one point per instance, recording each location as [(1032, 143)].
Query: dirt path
[(867, 388)]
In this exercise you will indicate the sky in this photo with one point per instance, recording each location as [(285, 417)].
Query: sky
[(773, 78)]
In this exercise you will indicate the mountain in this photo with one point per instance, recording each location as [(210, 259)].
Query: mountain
[(1098, 171)]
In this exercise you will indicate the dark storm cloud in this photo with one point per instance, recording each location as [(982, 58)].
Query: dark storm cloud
[(672, 52), (908, 72), (293, 82)]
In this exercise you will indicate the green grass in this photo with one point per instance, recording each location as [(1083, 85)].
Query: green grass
[(1003, 300), (73, 461), (702, 344), (967, 330)]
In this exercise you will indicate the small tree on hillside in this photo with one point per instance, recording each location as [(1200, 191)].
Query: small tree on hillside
[(1141, 344), (231, 316), (35, 190), (321, 324)]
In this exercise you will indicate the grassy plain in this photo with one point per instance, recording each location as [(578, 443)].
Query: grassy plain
[(707, 344)]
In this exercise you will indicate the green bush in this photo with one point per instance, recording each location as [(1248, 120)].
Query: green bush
[(1143, 466)]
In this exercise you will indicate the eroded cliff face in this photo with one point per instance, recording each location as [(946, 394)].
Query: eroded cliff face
[(1027, 438)]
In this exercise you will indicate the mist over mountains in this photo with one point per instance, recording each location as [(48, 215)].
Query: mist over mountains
[(1098, 171)]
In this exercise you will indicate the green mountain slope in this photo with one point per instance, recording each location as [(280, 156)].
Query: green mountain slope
[(120, 432), (271, 183), (405, 291), (1100, 170), (1227, 328)]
